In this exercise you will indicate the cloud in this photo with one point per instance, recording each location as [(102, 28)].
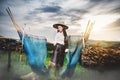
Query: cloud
[(50, 9), (104, 6), (101, 1), (2, 14), (65, 12), (114, 24), (2, 2), (55, 13), (115, 10), (76, 14), (42, 13), (27, 1)]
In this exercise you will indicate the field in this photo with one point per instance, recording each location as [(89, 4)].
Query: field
[(100, 60)]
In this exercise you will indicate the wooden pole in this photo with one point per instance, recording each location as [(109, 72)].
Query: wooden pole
[(9, 58)]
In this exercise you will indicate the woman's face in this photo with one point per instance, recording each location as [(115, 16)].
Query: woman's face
[(60, 28)]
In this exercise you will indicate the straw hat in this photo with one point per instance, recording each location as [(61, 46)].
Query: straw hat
[(61, 23)]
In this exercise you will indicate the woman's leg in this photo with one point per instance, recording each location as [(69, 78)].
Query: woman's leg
[(52, 63), (60, 60)]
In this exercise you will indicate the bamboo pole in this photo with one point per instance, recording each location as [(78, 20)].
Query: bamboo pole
[(86, 34), (88, 30), (17, 28), (13, 20)]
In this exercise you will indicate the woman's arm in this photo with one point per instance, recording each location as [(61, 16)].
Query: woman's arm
[(49, 41)]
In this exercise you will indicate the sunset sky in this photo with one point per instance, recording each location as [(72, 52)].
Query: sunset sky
[(40, 15)]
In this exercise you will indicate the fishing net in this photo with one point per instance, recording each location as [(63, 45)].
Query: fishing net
[(75, 47), (36, 52)]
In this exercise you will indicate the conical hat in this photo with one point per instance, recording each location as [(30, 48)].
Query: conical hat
[(61, 23)]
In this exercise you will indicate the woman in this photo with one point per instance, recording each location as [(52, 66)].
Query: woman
[(60, 46)]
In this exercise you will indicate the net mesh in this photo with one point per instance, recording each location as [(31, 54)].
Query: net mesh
[(75, 47), (36, 52)]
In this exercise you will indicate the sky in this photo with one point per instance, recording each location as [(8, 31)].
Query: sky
[(37, 17)]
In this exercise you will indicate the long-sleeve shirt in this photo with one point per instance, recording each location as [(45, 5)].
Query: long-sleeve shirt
[(59, 38)]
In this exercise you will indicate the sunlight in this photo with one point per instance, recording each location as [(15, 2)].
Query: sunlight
[(100, 22)]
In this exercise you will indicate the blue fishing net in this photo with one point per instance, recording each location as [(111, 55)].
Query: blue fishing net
[(36, 52), (75, 47)]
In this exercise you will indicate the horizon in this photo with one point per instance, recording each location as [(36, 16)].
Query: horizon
[(17, 39)]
